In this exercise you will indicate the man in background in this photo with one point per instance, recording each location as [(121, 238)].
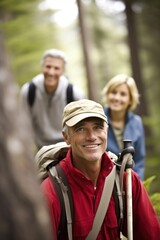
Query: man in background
[(45, 97)]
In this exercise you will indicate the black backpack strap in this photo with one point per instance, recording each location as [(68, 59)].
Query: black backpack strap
[(119, 198), (31, 93), (69, 93), (115, 194), (66, 183), (61, 234), (61, 185)]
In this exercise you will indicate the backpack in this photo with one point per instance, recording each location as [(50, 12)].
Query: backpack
[(47, 160), (32, 93)]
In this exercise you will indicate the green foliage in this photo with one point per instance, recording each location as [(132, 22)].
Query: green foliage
[(10, 9), (28, 32), (148, 22), (155, 197), (147, 183), (111, 53)]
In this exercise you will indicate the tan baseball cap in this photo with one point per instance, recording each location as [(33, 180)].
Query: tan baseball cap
[(76, 111)]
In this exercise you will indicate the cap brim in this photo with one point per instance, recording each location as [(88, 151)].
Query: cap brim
[(74, 120)]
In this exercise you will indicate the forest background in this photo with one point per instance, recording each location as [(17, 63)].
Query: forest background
[(106, 38)]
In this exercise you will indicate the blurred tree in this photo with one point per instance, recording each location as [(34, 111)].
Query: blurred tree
[(87, 49), (110, 54), (22, 210), (133, 41), (148, 16)]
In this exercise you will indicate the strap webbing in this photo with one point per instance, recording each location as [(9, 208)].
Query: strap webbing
[(62, 229), (65, 192), (121, 207), (69, 94), (103, 205), (31, 93)]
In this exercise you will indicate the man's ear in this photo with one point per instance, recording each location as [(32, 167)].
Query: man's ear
[(66, 138)]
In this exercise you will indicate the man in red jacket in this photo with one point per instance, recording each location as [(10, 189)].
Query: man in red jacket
[(86, 166)]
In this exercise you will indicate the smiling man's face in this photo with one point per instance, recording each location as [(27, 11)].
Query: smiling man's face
[(88, 139), (53, 69)]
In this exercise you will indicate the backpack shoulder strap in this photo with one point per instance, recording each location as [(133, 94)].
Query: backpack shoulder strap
[(62, 188), (31, 93), (69, 93), (103, 205), (62, 224)]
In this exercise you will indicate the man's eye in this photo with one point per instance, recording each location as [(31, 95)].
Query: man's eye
[(80, 129), (99, 127)]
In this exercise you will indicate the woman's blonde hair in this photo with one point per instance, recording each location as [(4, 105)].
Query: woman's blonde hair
[(117, 81)]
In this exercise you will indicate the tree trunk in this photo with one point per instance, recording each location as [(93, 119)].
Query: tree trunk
[(135, 62), (23, 214), (86, 44), (134, 52)]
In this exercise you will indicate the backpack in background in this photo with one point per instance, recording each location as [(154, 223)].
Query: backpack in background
[(32, 93)]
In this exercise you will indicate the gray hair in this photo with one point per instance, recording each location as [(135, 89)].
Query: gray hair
[(65, 130), (55, 53)]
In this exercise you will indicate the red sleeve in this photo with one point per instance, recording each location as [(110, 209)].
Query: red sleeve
[(145, 221), (53, 205)]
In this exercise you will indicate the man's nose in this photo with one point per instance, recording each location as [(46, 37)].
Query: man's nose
[(90, 134)]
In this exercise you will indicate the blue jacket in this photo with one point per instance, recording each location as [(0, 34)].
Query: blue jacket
[(134, 131)]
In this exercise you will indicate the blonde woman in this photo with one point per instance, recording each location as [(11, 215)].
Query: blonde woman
[(121, 97)]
